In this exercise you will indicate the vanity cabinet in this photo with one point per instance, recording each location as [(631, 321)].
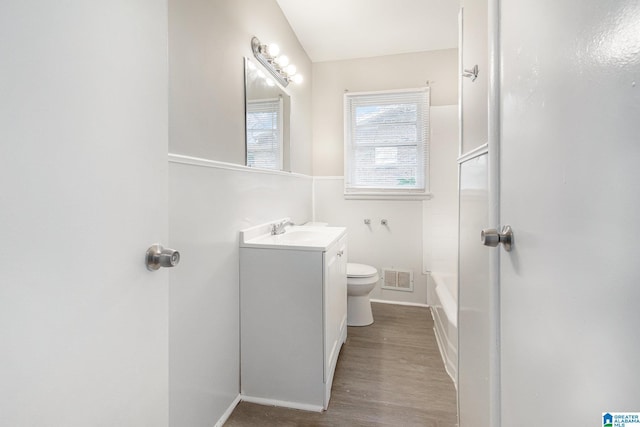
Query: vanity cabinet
[(293, 322)]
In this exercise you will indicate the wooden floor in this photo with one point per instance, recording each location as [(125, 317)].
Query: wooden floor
[(388, 374)]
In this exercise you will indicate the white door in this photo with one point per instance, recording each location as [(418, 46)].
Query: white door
[(474, 298), (83, 193), (473, 89), (335, 303), (570, 168)]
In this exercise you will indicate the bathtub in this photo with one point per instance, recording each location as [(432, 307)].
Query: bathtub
[(444, 309)]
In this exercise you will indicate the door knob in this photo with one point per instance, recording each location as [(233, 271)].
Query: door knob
[(159, 256), (491, 237)]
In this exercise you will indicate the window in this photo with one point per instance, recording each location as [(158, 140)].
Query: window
[(264, 133), (386, 144)]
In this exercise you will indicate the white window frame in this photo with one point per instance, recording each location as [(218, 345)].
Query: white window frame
[(351, 189)]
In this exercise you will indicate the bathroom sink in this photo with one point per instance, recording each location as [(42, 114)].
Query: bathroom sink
[(294, 237)]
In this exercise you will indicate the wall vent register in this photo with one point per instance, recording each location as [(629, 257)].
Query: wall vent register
[(397, 280)]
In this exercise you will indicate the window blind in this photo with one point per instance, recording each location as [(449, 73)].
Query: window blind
[(386, 141), (264, 133)]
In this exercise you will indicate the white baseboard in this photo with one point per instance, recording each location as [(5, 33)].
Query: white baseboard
[(282, 403), (449, 365), (411, 304), (223, 419), (448, 351)]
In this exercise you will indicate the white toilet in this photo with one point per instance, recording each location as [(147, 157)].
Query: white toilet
[(361, 279)]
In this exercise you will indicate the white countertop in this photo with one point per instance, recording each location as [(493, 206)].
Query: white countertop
[(296, 237)]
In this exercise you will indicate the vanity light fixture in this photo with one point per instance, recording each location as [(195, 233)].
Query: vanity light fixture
[(278, 65)]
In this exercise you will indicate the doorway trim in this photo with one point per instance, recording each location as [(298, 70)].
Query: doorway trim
[(494, 118)]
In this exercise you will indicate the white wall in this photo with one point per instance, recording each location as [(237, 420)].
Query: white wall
[(393, 246), (331, 79), (209, 203), (440, 213), (207, 43), (401, 244)]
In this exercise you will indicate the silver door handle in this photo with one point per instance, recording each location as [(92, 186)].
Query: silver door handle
[(159, 256), (491, 237)]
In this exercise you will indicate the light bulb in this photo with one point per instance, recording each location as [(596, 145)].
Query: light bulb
[(273, 50), (282, 61), (297, 79), (290, 69)]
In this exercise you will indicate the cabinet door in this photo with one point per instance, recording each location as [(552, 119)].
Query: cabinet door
[(474, 93), (335, 304)]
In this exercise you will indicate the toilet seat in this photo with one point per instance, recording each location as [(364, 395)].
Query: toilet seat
[(355, 270)]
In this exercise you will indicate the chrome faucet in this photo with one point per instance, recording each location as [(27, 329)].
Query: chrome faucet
[(279, 228)]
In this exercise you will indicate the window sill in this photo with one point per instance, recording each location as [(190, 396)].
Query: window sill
[(387, 196)]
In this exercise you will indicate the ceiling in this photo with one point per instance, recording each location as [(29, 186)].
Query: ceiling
[(344, 29)]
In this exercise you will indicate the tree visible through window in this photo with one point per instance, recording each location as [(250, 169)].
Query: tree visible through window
[(386, 142)]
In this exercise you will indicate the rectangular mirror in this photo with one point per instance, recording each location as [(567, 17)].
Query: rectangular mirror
[(267, 119)]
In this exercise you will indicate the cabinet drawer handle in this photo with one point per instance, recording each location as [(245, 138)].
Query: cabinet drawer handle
[(340, 253)]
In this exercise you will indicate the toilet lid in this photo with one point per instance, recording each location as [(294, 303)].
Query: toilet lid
[(360, 270)]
